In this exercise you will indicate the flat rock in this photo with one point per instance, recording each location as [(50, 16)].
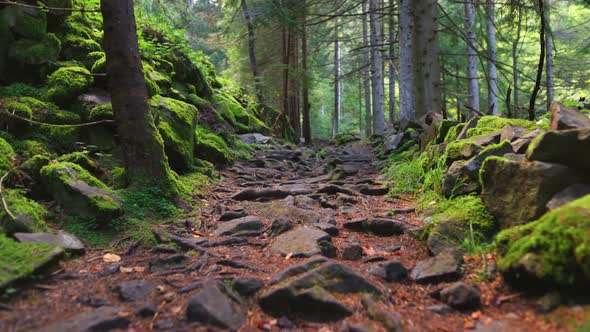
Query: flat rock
[(352, 251), (101, 319), (332, 230), (300, 242), (62, 239), (332, 189), (135, 290), (213, 305), (252, 194), (549, 147), (392, 271), (281, 210), (233, 227), (160, 264), (297, 269), (568, 195), (445, 266), (247, 286), (386, 227), (461, 296), (254, 138)]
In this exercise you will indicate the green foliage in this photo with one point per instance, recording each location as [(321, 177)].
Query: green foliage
[(347, 137), (18, 260), (30, 24), (407, 176), (66, 83)]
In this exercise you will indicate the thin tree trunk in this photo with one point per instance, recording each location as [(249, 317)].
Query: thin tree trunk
[(143, 151), (294, 113), (540, 66), (367, 71), (492, 54), (305, 87), (337, 83), (549, 56), (286, 126), (252, 51), (392, 73), (473, 86), (406, 73), (515, 78), (377, 68), (426, 67)]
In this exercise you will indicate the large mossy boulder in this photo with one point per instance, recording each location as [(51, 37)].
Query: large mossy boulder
[(177, 122), (80, 193), (236, 115), (211, 147), (461, 150), (67, 83), (552, 251), (517, 192), (35, 51), (568, 147), (29, 215), (188, 72), (489, 124)]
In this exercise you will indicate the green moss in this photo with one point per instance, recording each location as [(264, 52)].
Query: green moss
[(77, 48), (210, 147), (30, 215), (460, 150), (65, 172), (34, 164), (82, 159), (163, 81), (18, 260), (454, 132), (35, 52), (92, 57), (29, 148), (204, 167), (489, 124), (11, 124), (65, 84), (553, 250), (21, 90), (102, 112), (7, 156), (100, 65), (343, 138), (31, 24), (47, 112), (177, 123), (235, 114)]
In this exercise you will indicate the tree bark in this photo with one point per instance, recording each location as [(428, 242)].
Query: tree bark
[(515, 78), (294, 112), (473, 86), (367, 71), (540, 66), (143, 150), (377, 67), (492, 54), (549, 55), (252, 51), (406, 74), (337, 83), (392, 71), (305, 87)]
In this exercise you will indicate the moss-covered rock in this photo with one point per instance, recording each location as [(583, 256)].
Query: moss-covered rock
[(81, 159), (80, 193), (66, 83), (10, 109), (100, 65), (24, 22), (21, 90), (20, 260), (489, 124), (461, 150), (187, 71), (210, 147), (177, 121), (101, 112), (554, 250), (35, 52), (30, 215), (551, 147), (235, 114), (7, 156), (47, 112), (77, 48)]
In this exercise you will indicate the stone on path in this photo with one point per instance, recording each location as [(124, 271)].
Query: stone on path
[(254, 138), (252, 194), (101, 319), (461, 296), (377, 226), (331, 229), (62, 239), (247, 286), (391, 271), (135, 290), (301, 268), (214, 305), (300, 242), (167, 263), (445, 266), (352, 251), (236, 226)]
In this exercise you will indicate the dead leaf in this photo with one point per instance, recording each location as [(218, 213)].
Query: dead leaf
[(476, 315), (289, 255), (126, 269), (198, 233), (369, 251), (123, 314), (488, 321), (111, 258), (469, 325), (139, 269)]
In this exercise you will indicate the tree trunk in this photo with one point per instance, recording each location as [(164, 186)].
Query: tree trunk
[(305, 87), (426, 67), (392, 73), (406, 73), (143, 151), (473, 86), (286, 129), (252, 51), (549, 55), (515, 79), (492, 54), (337, 83), (294, 112), (367, 71), (377, 67), (540, 66)]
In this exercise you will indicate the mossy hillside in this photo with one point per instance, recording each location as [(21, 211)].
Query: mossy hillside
[(67, 83), (210, 147), (489, 124), (30, 215), (18, 260), (177, 121), (553, 250), (35, 52)]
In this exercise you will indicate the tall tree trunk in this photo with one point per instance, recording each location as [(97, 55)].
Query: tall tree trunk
[(294, 112), (549, 56), (392, 71), (515, 45), (252, 51), (367, 71), (337, 83), (473, 86), (426, 67), (492, 54), (143, 151), (377, 67), (406, 74), (540, 66), (305, 87), (286, 129)]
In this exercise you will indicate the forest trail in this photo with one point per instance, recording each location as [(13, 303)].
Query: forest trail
[(279, 209)]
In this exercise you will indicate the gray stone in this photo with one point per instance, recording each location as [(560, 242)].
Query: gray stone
[(213, 305), (233, 227), (252, 194), (447, 234), (392, 271), (101, 319), (255, 138), (445, 266), (440, 309), (280, 226), (62, 239), (511, 133), (566, 147), (300, 242), (332, 230), (457, 182), (521, 145), (391, 321), (461, 296), (247, 286), (161, 264), (297, 269), (386, 227), (352, 251), (568, 195), (305, 202), (135, 290), (567, 117)]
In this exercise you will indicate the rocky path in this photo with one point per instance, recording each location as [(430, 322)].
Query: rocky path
[(296, 239)]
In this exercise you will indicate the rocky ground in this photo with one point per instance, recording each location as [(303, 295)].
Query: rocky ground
[(296, 239)]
